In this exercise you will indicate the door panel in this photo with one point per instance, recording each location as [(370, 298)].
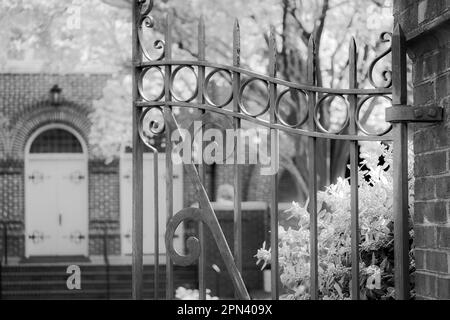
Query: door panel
[(149, 210), (72, 207), (56, 206), (41, 220)]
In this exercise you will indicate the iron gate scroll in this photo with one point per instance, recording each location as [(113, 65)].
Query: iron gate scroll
[(393, 88)]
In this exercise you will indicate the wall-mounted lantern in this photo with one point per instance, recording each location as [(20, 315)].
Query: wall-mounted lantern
[(55, 95)]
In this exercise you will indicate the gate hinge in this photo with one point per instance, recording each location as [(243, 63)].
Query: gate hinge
[(402, 113)]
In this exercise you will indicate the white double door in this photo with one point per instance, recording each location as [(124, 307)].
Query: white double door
[(56, 205), (149, 208)]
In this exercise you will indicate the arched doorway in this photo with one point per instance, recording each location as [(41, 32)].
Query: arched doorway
[(56, 193)]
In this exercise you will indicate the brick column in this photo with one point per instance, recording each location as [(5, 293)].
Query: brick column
[(427, 26)]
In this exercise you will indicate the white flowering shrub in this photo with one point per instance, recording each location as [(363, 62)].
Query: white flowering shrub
[(192, 294), (334, 235)]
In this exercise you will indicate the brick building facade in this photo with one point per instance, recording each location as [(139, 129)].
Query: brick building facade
[(427, 27), (25, 107)]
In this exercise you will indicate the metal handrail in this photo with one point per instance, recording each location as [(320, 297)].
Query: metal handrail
[(4, 255), (104, 227)]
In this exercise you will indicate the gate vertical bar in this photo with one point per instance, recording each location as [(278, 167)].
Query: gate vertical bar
[(138, 150), (400, 155), (156, 221), (201, 169), (169, 165), (274, 163), (237, 167), (312, 185), (354, 159)]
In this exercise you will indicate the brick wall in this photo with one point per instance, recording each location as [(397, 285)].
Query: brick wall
[(24, 107), (104, 195), (427, 26)]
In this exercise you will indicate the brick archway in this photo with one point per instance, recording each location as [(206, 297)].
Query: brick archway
[(24, 127)]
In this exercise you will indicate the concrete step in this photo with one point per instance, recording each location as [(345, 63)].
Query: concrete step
[(49, 282), (122, 294)]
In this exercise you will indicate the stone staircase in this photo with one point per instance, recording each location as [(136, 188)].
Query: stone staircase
[(48, 281)]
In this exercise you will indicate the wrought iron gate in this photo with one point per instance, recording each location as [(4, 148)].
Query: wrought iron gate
[(393, 89)]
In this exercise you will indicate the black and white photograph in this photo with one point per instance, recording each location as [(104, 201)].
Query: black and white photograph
[(225, 151)]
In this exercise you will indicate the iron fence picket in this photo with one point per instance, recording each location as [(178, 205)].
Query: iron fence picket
[(400, 168), (138, 151), (274, 267), (354, 165), (169, 164), (201, 167), (237, 208), (312, 166), (156, 221)]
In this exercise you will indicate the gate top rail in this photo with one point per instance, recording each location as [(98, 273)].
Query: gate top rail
[(147, 65)]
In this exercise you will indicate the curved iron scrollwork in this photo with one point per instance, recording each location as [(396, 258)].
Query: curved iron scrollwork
[(207, 84), (249, 78), (358, 120), (385, 37), (147, 21), (316, 113), (258, 116), (140, 86), (192, 243), (155, 127), (207, 215), (243, 107), (172, 80), (280, 118)]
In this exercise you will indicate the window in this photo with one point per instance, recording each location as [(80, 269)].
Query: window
[(56, 141)]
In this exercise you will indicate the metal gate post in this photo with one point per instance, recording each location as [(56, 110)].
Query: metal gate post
[(138, 150), (400, 114), (400, 169)]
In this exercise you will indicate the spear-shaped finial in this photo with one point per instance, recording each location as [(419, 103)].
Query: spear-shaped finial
[(168, 34), (272, 52), (201, 38), (311, 64), (353, 60), (236, 43), (399, 80)]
